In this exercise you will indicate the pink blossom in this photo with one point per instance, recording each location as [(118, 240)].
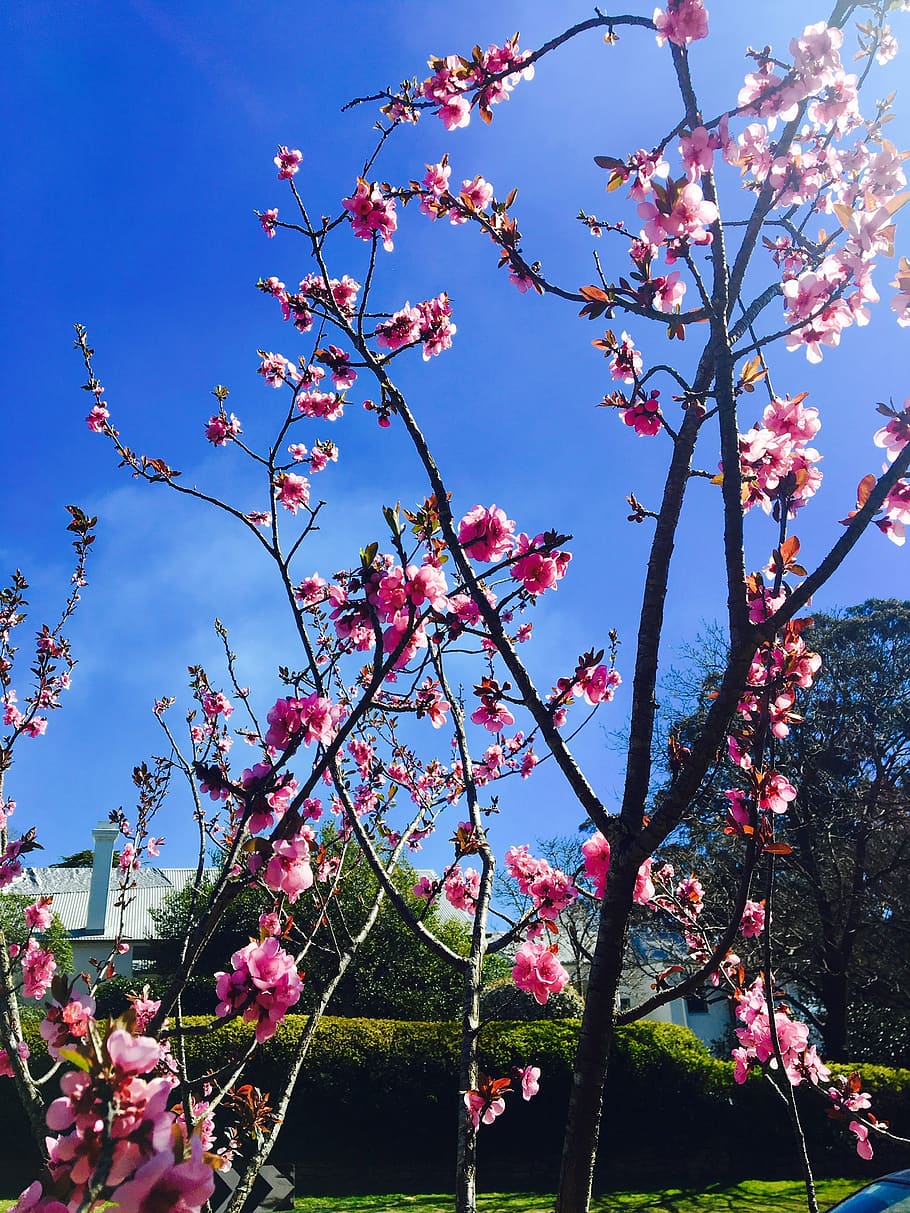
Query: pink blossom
[(776, 793), (276, 370), (31, 1202), (436, 179), (684, 21), (643, 415), (402, 329), (523, 867), (669, 291), (753, 920), (436, 327), (538, 972), (522, 279), (38, 968), (481, 1109), (424, 889), (530, 1081), (67, 1024), (697, 151), (97, 419), (863, 1145), (486, 533), (644, 886), (263, 985), (597, 861), (219, 428), (165, 1184), (895, 435), (133, 1054), (288, 871), (38, 914), (477, 194), (315, 717), (269, 221), (6, 1064), (626, 363), (493, 716), (455, 112), (552, 891), (288, 163), (691, 215), (372, 215), (293, 491), (462, 889)]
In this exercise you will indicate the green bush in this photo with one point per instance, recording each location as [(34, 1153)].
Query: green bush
[(672, 1114)]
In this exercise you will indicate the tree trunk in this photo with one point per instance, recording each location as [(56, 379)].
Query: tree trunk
[(466, 1164), (595, 1042), (834, 991)]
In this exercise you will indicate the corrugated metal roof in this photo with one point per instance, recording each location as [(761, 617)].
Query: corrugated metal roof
[(69, 888)]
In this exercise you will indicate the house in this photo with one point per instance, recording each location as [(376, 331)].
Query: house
[(85, 900), (650, 952), (707, 1012)]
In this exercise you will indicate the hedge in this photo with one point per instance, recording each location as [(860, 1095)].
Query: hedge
[(376, 1104)]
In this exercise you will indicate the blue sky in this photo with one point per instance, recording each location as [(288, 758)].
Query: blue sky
[(141, 142)]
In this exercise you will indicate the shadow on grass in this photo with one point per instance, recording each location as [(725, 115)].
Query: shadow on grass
[(751, 1196)]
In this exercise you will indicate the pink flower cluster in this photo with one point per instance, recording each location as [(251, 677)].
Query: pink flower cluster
[(313, 718), (288, 162), (488, 1102), (288, 870), (109, 1116), (643, 415), (684, 21), (6, 1064), (855, 185), (550, 889), (429, 322), (486, 533), (66, 1025), (38, 969), (267, 798), (777, 463), (597, 861), (538, 972), (537, 564), (372, 214), (220, 428), (800, 1061), (489, 77), (293, 491), (753, 920), (263, 985), (462, 888)]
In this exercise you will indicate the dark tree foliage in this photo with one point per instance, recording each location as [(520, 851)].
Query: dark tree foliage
[(394, 976), (841, 901), (82, 859)]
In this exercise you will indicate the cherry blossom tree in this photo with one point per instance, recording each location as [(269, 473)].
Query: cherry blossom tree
[(386, 644)]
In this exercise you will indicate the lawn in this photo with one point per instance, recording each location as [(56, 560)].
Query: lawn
[(752, 1196)]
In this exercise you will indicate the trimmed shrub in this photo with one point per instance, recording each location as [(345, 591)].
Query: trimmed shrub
[(672, 1115)]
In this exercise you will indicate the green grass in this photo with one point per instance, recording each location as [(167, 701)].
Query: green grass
[(752, 1196)]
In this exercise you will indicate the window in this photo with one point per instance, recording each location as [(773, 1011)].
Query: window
[(697, 1004)]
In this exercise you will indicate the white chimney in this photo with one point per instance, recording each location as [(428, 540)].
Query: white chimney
[(104, 835)]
